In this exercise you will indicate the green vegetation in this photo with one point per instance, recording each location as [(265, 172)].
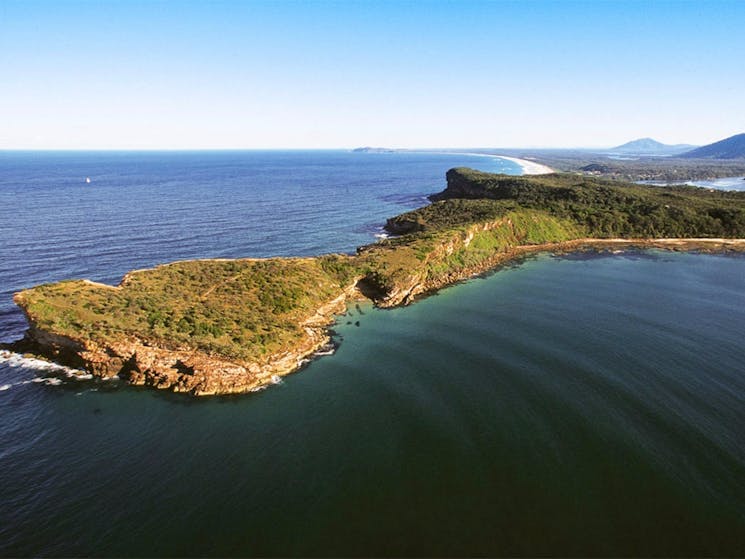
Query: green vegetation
[(241, 309), (447, 214), (607, 208), (250, 310), (455, 236)]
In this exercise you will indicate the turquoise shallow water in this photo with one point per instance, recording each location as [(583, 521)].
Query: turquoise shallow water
[(571, 406), (577, 405)]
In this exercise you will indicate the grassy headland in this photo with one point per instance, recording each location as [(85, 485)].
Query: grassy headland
[(239, 309), (217, 326)]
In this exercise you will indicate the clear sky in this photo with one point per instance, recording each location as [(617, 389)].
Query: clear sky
[(243, 74)]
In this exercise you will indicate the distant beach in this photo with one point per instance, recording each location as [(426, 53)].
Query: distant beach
[(529, 167)]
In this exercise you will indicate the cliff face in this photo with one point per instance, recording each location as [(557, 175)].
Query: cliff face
[(184, 370), (442, 254), (435, 271), (461, 185)]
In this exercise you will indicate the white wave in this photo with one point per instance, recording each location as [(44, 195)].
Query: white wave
[(16, 360), (5, 387), (276, 379), (49, 381), (382, 235)]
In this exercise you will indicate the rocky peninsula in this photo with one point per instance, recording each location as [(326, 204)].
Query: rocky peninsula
[(209, 327)]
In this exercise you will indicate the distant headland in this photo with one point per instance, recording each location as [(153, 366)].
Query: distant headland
[(231, 326)]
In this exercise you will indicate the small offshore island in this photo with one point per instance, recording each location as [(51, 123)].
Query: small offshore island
[(209, 327)]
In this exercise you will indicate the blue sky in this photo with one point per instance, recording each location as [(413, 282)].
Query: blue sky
[(240, 74)]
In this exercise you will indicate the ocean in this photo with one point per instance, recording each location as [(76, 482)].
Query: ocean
[(583, 404)]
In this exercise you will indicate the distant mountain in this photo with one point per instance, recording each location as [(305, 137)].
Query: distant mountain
[(729, 148), (648, 146)]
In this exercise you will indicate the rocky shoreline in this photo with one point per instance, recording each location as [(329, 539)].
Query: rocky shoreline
[(185, 370), (180, 369)]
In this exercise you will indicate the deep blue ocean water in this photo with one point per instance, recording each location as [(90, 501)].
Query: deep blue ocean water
[(566, 405)]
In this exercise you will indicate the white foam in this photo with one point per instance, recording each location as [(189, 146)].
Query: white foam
[(276, 379), (17, 360), (49, 381), (5, 387), (382, 235)]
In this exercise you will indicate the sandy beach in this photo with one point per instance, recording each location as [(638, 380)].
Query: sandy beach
[(529, 167)]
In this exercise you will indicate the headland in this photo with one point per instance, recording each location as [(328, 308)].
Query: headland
[(209, 327)]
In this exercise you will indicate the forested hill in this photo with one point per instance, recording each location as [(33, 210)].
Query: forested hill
[(604, 207)]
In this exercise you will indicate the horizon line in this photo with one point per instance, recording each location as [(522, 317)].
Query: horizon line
[(397, 149)]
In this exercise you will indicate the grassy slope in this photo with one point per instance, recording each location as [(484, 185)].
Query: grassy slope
[(250, 309)]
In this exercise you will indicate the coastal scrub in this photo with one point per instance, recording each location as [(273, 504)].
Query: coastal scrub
[(226, 326)]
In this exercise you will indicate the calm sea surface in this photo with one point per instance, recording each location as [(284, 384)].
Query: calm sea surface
[(570, 405)]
